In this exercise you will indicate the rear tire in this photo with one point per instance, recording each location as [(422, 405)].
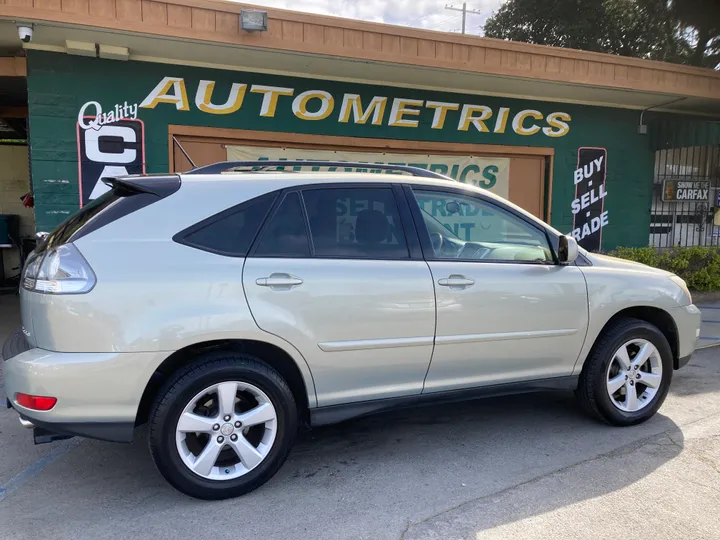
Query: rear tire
[(605, 390), (207, 464), (14, 345)]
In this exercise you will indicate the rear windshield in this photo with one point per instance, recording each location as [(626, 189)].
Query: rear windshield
[(127, 195), (74, 223)]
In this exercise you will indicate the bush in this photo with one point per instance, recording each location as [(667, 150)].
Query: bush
[(698, 266)]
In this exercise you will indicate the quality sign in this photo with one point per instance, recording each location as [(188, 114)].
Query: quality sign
[(110, 144), (685, 190)]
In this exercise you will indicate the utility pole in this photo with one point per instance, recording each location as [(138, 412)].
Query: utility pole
[(465, 11)]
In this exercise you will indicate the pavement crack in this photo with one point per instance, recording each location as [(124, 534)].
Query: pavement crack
[(712, 488), (679, 445)]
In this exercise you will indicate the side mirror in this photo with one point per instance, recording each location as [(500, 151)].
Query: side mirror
[(568, 251)]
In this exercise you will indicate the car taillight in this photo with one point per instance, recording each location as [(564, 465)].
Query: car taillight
[(61, 270), (37, 403)]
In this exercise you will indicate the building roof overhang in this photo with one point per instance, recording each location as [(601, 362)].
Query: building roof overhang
[(207, 33)]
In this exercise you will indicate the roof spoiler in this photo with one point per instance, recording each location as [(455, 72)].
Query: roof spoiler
[(160, 185)]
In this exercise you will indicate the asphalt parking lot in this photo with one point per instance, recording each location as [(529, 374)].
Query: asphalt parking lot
[(528, 467)]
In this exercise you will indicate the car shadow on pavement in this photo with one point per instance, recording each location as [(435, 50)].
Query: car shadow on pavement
[(701, 375), (367, 478)]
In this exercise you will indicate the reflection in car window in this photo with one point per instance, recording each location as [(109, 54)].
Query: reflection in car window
[(355, 222), (434, 224), (286, 234), (70, 226), (233, 233), (478, 230)]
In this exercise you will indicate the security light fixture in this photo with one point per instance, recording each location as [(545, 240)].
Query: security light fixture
[(253, 20), (642, 128)]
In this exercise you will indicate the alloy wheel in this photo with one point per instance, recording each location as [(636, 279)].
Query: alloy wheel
[(226, 430), (634, 375)]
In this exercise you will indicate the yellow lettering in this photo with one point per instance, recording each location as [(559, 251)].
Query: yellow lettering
[(467, 118), (399, 108), (234, 101), (502, 119), (353, 104), (160, 94), (557, 120), (441, 110), (327, 104), (520, 118), (270, 97)]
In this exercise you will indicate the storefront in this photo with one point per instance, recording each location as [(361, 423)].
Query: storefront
[(571, 153), (122, 117)]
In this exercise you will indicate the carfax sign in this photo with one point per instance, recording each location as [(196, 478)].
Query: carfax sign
[(685, 190)]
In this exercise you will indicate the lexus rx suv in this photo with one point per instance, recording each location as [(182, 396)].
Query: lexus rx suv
[(233, 305)]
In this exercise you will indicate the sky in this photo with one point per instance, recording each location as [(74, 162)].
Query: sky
[(428, 14)]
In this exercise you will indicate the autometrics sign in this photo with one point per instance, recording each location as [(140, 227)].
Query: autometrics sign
[(118, 126), (377, 110), (485, 172)]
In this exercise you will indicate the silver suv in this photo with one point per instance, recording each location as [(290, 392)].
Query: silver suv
[(230, 306)]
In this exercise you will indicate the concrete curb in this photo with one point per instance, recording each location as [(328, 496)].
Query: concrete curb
[(705, 297)]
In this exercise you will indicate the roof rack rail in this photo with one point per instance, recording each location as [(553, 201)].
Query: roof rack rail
[(223, 166)]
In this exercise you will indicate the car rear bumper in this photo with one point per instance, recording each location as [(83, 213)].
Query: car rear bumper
[(44, 432), (97, 393), (687, 321)]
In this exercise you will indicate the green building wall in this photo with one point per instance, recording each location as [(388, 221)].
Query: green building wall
[(59, 85)]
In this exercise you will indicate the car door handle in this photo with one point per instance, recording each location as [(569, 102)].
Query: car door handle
[(279, 281), (456, 281)]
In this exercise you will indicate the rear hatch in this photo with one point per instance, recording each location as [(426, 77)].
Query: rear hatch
[(126, 195)]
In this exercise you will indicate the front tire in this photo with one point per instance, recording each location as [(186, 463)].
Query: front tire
[(627, 375), (222, 426)]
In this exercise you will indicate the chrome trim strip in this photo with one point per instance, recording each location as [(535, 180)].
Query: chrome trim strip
[(473, 338), (368, 344)]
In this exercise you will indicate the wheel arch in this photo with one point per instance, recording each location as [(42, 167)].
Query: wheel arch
[(273, 355), (658, 317)]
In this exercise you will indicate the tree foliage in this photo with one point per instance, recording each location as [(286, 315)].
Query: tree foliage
[(684, 31)]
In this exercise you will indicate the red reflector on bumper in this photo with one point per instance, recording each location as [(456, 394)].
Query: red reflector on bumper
[(37, 403)]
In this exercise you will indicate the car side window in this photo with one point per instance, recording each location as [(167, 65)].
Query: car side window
[(285, 234), (468, 228), (355, 223), (230, 232)]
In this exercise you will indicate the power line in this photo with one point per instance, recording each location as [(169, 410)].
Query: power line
[(433, 12), (442, 22), (464, 11)]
